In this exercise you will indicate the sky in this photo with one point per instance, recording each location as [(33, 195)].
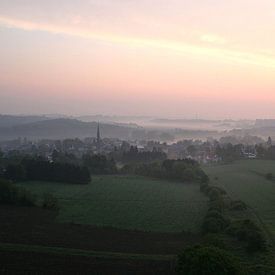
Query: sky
[(176, 58)]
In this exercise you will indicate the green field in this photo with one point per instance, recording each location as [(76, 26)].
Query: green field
[(128, 202), (245, 180)]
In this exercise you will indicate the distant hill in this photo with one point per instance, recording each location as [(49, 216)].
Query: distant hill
[(255, 131), (265, 123), (10, 120), (167, 120), (62, 128)]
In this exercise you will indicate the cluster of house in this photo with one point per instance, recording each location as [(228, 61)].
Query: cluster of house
[(201, 151)]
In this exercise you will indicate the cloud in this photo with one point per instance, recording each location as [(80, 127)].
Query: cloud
[(221, 54)]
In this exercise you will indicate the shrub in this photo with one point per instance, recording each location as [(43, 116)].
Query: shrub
[(214, 214), (214, 240), (204, 187), (214, 224), (238, 205), (217, 205), (204, 260), (247, 231), (214, 194)]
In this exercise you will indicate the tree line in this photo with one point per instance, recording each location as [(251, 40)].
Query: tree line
[(184, 170), (43, 170)]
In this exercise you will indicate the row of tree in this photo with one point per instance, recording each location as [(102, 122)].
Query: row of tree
[(42, 170), (185, 170)]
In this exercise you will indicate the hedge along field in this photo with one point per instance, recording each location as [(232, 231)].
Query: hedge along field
[(128, 202), (245, 180)]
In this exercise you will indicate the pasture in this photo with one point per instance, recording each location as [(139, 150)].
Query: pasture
[(128, 202), (245, 180)]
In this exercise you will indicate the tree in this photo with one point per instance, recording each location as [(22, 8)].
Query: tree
[(207, 260), (15, 172), (11, 194), (269, 141), (99, 164)]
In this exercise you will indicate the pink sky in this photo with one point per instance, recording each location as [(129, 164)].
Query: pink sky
[(167, 58)]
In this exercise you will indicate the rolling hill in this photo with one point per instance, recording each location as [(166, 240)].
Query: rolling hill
[(62, 128)]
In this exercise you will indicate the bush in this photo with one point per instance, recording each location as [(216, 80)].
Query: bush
[(213, 192), (238, 205), (247, 231), (217, 205), (214, 214), (203, 260), (204, 187), (204, 178), (214, 224), (214, 240)]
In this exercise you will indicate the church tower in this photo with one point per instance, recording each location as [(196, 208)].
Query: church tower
[(98, 139)]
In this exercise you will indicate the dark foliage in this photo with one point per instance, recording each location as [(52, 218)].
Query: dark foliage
[(39, 169), (15, 172), (214, 222), (238, 205), (203, 260), (247, 231), (99, 164), (10, 194), (213, 239), (185, 170), (134, 156), (229, 152)]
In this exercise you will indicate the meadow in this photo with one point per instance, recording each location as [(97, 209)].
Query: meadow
[(128, 202), (245, 180)]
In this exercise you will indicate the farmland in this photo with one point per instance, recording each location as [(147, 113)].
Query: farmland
[(33, 237), (128, 202), (245, 180)]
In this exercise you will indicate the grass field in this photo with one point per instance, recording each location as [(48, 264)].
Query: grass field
[(129, 202), (245, 180)]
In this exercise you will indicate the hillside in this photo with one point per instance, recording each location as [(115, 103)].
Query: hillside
[(10, 120), (62, 128)]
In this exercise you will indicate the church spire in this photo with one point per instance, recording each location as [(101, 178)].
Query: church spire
[(98, 139)]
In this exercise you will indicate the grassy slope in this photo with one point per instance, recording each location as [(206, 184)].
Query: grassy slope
[(129, 202), (245, 180)]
